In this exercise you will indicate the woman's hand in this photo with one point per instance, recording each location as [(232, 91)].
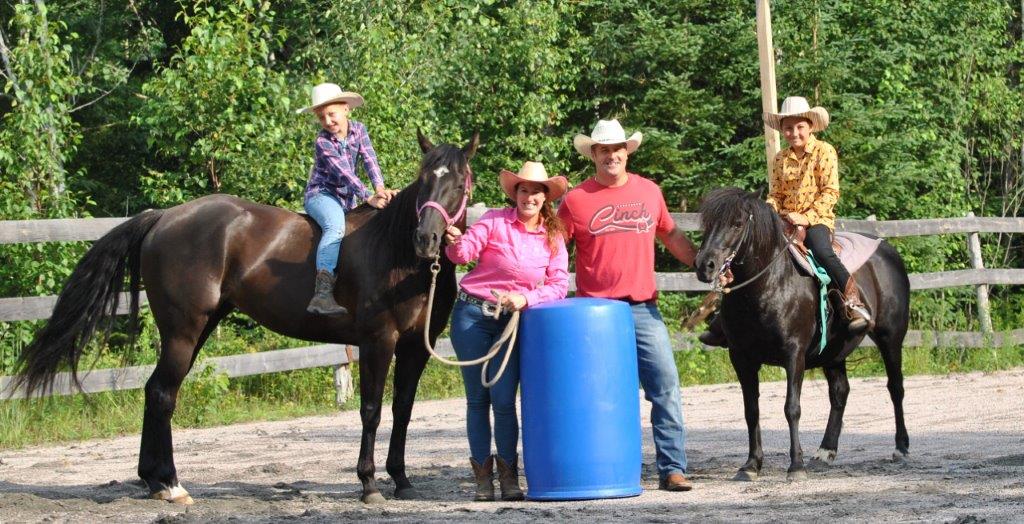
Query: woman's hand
[(452, 235), (512, 301)]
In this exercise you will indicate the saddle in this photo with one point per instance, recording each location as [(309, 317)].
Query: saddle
[(853, 249)]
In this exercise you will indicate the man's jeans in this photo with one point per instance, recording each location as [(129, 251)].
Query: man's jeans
[(660, 380), (472, 334), (330, 215)]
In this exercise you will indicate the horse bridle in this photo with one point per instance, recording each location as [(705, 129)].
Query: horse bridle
[(717, 287), (449, 220)]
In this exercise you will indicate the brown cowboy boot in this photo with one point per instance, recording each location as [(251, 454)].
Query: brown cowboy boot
[(323, 295), (508, 479), (484, 475), (714, 336), (856, 312), (675, 482)]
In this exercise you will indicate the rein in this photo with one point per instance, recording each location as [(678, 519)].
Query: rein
[(509, 334), (511, 329), (711, 300)]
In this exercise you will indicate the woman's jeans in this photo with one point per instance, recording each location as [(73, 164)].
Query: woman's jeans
[(819, 241), (472, 334), (328, 212)]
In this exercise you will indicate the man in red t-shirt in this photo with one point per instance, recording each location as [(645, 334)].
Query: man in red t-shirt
[(614, 218)]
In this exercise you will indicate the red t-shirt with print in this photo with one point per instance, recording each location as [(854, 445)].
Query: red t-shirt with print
[(614, 229)]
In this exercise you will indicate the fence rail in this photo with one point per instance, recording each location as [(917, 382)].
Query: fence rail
[(339, 356)]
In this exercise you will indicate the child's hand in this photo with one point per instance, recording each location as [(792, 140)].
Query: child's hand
[(797, 219), (386, 194), (452, 234), (377, 200)]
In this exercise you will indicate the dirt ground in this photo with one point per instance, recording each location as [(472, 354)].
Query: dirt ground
[(966, 465)]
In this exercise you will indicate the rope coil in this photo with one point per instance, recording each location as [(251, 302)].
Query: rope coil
[(508, 334)]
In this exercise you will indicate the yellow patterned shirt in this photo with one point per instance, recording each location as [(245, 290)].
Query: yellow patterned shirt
[(808, 185)]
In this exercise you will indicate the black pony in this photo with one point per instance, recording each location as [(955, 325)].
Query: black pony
[(773, 319), (205, 258)]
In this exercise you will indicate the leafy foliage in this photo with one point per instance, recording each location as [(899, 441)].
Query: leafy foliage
[(112, 107)]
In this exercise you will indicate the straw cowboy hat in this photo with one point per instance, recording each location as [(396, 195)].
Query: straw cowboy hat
[(533, 172), (798, 106), (606, 132), (328, 93)]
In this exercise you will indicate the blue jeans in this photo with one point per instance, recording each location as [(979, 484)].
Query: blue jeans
[(472, 334), (660, 380), (330, 215)]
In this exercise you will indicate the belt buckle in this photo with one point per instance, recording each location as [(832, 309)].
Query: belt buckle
[(490, 309)]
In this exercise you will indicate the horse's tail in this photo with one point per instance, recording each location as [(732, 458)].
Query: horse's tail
[(88, 300)]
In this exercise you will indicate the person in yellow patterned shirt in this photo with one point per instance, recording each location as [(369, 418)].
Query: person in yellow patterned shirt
[(803, 189)]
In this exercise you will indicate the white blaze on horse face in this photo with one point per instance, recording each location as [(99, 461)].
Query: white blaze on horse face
[(441, 171)]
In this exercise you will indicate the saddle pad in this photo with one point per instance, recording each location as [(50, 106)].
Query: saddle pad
[(853, 251)]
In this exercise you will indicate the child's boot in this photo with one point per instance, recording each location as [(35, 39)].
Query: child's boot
[(323, 302)]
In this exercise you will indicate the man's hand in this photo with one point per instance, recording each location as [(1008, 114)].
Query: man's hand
[(725, 278), (797, 219), (452, 235)]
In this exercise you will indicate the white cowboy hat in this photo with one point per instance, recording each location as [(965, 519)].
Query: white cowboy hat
[(328, 93), (606, 132), (533, 172), (798, 106)]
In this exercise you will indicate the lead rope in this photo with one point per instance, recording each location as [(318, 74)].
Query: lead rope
[(511, 329)]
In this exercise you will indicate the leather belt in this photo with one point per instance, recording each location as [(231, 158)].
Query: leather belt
[(487, 307)]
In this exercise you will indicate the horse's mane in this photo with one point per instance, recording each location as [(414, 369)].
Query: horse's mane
[(722, 206), (389, 232)]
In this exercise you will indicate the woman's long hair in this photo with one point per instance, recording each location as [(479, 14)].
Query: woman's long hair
[(553, 225)]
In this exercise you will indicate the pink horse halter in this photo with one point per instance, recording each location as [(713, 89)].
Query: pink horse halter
[(449, 220)]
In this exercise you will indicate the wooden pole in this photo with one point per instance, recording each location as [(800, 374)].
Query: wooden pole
[(769, 99), (343, 387), (984, 311)]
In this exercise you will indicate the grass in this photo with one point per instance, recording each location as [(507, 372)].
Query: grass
[(212, 400)]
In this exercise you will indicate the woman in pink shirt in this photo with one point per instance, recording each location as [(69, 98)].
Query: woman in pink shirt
[(522, 261)]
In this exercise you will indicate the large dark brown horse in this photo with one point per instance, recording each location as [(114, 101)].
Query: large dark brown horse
[(772, 319), (203, 259)]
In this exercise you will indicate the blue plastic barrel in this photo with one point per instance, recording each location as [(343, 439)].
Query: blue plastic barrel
[(581, 413)]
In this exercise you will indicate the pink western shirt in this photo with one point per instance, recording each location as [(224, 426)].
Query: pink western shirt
[(511, 259)]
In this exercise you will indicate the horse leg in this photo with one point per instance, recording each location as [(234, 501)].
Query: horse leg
[(838, 391), (794, 383), (178, 350), (891, 349), (410, 359), (373, 371), (749, 382)]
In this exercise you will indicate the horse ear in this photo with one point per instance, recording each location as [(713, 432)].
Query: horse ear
[(470, 148), (425, 144)]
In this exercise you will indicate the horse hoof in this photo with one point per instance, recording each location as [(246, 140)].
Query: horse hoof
[(373, 498), (175, 495), (745, 476), (825, 455), (409, 493), (900, 457), (796, 475)]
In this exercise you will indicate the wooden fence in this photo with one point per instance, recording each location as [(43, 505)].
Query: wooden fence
[(35, 308)]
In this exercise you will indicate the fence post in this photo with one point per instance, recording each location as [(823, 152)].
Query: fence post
[(984, 312), (343, 388)]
